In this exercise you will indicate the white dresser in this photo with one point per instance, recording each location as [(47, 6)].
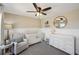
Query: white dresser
[(63, 42)]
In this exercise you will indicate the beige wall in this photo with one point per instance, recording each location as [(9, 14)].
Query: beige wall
[(26, 22), (22, 21), (72, 17)]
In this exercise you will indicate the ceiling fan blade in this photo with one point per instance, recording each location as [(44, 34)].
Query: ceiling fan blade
[(31, 11), (44, 13), (46, 9), (35, 5)]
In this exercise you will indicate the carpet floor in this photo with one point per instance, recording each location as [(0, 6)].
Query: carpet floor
[(42, 49)]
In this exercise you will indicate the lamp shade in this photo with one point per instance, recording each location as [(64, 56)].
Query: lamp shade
[(8, 26)]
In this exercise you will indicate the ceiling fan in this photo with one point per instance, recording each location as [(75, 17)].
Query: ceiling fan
[(39, 10)]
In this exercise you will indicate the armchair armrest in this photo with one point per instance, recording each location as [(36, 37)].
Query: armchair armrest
[(15, 43), (25, 40)]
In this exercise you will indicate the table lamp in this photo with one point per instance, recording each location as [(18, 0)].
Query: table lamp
[(8, 27)]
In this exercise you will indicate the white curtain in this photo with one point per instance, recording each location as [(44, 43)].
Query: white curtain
[(1, 30)]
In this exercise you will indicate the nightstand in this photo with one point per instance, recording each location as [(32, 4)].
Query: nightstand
[(7, 49)]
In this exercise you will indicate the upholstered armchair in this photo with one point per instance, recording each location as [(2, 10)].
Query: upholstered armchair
[(19, 47), (20, 43)]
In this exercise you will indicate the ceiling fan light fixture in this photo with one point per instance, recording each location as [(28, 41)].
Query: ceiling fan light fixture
[(38, 14)]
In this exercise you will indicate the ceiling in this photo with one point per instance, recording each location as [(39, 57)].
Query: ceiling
[(57, 8)]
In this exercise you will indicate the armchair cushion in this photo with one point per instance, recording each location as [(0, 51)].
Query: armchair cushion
[(17, 37)]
